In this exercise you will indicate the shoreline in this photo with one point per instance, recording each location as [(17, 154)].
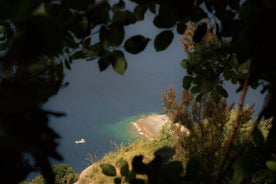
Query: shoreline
[(150, 125)]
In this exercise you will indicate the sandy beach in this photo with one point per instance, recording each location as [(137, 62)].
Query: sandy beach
[(150, 125)]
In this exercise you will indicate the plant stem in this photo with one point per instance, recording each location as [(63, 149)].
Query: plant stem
[(236, 126)]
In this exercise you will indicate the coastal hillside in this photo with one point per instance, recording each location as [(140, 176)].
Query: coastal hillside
[(149, 128)]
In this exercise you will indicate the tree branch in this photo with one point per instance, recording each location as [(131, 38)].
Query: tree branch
[(236, 126), (250, 132)]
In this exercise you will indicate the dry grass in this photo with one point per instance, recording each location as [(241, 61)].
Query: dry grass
[(93, 174)]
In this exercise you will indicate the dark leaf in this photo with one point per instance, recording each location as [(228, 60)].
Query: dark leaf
[(197, 14), (119, 6), (196, 89), (117, 34), (199, 97), (101, 15), (124, 17), (108, 170), (163, 40), (258, 137), (181, 27), (222, 91), (78, 54), (173, 172), (117, 180), (136, 44), (193, 170), (140, 1), (94, 51), (104, 37), (86, 42), (125, 169), (200, 32), (138, 165), (164, 21), (139, 11), (67, 64), (187, 80), (137, 181), (105, 61), (17, 10)]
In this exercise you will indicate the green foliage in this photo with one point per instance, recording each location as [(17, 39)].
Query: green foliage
[(64, 174), (202, 145), (39, 38)]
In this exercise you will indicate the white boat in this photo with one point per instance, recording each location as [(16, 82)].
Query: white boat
[(80, 141)]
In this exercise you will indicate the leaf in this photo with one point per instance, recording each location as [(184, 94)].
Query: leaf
[(187, 80), (119, 62), (196, 89), (258, 137), (67, 64), (271, 165), (197, 14), (139, 11), (163, 40), (192, 169), (104, 61), (117, 180), (117, 34), (125, 169), (108, 170), (199, 97), (104, 37), (166, 17), (181, 27), (78, 54), (136, 44), (94, 51), (222, 91), (124, 17), (200, 32), (119, 6)]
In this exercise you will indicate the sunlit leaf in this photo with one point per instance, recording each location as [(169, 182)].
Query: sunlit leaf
[(163, 40), (136, 44), (271, 165), (108, 170), (119, 62)]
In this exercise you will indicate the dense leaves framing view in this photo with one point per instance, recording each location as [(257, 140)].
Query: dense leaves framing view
[(225, 40)]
